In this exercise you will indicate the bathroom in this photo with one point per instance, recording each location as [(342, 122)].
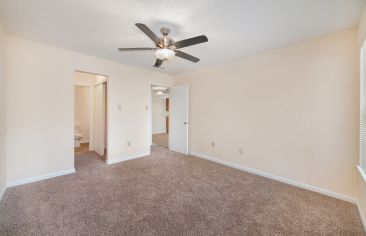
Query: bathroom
[(90, 114)]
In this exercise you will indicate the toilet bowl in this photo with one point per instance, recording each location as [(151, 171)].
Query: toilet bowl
[(78, 135), (77, 139)]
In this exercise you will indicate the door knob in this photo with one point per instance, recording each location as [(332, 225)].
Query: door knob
[(185, 122)]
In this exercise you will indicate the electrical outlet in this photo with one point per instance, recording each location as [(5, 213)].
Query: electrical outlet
[(213, 144), (241, 151), (129, 143)]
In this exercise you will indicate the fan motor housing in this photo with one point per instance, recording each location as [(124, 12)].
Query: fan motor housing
[(166, 42)]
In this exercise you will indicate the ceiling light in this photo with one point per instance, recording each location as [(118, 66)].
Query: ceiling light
[(159, 93), (164, 54), (157, 88)]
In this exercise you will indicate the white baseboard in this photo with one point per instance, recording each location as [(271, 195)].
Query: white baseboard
[(38, 178), (363, 218), (278, 178), (126, 158)]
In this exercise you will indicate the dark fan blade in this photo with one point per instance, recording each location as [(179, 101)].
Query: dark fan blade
[(135, 49), (191, 41), (158, 63), (148, 32), (186, 56)]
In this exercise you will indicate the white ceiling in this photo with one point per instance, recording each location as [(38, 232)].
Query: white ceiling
[(234, 28)]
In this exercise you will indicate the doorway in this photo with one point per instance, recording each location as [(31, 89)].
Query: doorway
[(90, 114), (169, 117), (160, 115)]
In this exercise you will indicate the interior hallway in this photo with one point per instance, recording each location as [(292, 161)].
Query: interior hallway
[(161, 139), (84, 147), (167, 193)]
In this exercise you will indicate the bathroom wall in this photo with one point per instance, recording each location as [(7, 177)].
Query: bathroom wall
[(82, 111), (41, 121), (158, 114), (2, 111)]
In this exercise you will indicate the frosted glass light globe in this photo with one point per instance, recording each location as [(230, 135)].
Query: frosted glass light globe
[(164, 54)]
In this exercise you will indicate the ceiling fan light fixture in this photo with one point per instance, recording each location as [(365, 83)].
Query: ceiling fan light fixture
[(165, 47), (164, 54)]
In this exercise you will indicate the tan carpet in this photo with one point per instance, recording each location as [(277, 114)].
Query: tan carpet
[(161, 139), (170, 194)]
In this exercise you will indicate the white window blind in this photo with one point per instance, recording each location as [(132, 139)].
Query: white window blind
[(363, 109)]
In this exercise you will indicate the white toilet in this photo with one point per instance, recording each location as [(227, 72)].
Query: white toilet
[(77, 135)]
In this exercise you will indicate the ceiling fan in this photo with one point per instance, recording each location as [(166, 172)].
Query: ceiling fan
[(166, 47)]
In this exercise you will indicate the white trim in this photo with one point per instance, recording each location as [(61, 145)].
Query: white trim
[(278, 178), (362, 173), (2, 193), (126, 158), (362, 216), (38, 178)]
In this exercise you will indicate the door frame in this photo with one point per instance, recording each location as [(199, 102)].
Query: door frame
[(150, 110), (150, 114)]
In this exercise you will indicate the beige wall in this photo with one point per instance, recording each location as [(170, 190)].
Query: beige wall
[(40, 108), (361, 188), (293, 110), (2, 112)]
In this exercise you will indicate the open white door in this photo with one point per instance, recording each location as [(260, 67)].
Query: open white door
[(178, 118), (99, 119)]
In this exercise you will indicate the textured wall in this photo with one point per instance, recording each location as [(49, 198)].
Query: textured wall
[(293, 110)]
